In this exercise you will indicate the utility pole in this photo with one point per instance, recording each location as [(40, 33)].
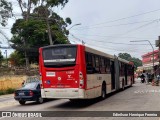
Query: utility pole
[(158, 67), (152, 52), (158, 45), (6, 58)]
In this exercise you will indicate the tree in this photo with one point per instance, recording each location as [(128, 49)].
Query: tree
[(16, 58), (137, 62), (125, 56), (5, 12), (44, 8), (1, 58), (39, 27)]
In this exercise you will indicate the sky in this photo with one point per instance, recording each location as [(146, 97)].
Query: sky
[(110, 25)]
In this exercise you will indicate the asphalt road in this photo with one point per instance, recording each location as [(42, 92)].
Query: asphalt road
[(140, 97)]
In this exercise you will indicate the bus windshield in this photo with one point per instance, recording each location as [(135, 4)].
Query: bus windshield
[(59, 56)]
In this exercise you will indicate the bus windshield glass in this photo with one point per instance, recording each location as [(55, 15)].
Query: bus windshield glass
[(59, 56)]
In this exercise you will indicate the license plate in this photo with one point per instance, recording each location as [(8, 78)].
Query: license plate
[(21, 93), (50, 74)]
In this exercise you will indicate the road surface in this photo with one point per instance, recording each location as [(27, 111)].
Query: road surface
[(140, 97)]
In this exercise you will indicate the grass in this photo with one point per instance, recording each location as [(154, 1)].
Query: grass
[(7, 91), (13, 77)]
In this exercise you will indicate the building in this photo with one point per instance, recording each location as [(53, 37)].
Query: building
[(147, 62)]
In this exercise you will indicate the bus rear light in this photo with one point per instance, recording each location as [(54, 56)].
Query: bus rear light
[(81, 83), (81, 80)]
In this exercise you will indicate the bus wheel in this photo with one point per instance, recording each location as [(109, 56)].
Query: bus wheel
[(103, 93)]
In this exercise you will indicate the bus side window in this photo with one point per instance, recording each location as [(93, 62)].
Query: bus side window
[(108, 66), (97, 64), (102, 67), (93, 61), (89, 63)]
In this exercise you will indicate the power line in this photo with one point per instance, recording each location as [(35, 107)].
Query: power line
[(112, 49), (77, 38), (4, 28), (112, 42), (132, 30), (125, 18), (84, 28), (118, 36), (140, 27), (109, 36), (108, 46)]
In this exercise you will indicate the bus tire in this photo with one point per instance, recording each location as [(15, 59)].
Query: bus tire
[(103, 92)]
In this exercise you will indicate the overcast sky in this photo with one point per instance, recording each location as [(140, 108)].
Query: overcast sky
[(110, 25)]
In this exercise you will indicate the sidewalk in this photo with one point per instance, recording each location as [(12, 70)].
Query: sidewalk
[(7, 100), (6, 96)]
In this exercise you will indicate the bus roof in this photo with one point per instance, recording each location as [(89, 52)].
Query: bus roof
[(91, 50), (59, 45), (94, 51), (123, 60)]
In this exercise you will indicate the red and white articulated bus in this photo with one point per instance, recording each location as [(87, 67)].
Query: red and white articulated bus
[(80, 72)]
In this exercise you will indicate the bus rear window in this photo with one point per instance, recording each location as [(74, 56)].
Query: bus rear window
[(59, 56)]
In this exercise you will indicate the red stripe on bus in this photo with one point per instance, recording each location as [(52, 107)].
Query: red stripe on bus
[(97, 86), (108, 84), (93, 87)]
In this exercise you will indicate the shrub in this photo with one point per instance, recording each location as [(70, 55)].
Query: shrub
[(10, 91), (7, 91), (2, 92)]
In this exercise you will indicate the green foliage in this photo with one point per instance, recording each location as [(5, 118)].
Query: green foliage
[(137, 62), (16, 58), (68, 20), (8, 91), (125, 56), (5, 12), (2, 92), (30, 34), (54, 3)]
